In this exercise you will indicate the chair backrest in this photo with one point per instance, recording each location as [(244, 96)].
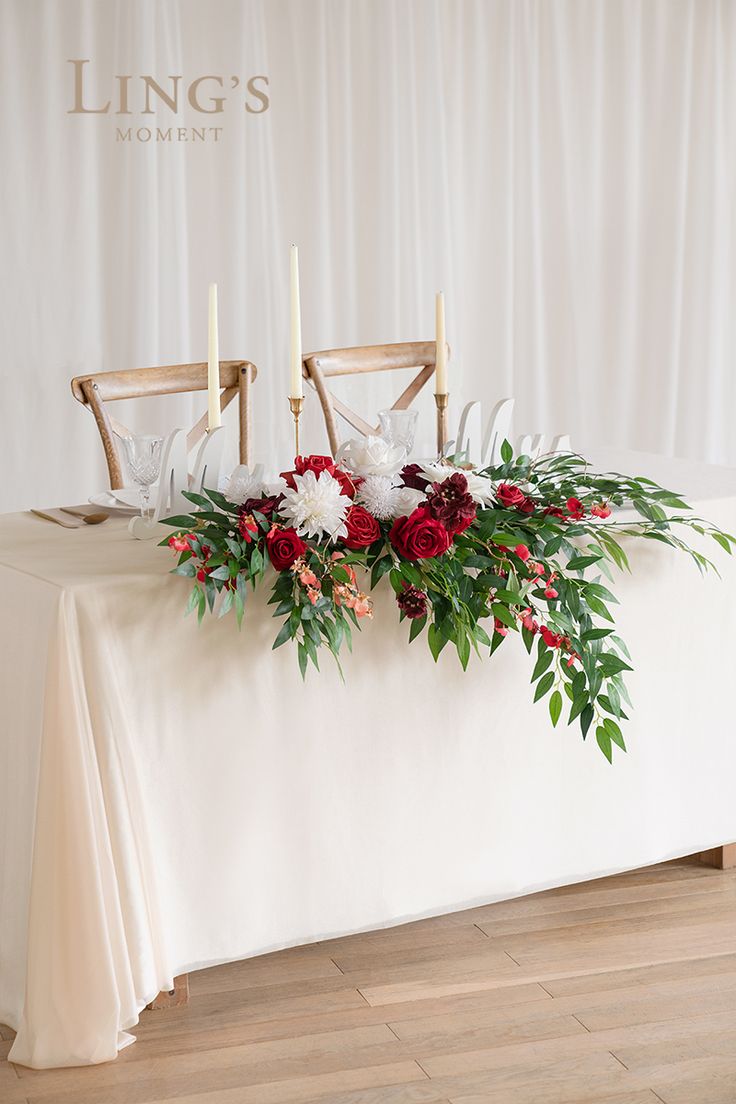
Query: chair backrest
[(319, 367), (236, 377)]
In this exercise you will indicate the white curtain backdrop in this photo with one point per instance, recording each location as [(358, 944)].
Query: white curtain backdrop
[(563, 169)]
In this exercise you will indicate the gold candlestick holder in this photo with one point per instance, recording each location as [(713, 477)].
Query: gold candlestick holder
[(441, 402), (295, 406)]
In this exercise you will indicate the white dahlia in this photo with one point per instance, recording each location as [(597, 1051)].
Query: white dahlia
[(317, 506), (479, 486)]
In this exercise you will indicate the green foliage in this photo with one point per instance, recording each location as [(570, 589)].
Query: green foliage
[(478, 594)]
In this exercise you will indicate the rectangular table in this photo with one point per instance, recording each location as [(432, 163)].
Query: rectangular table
[(173, 796)]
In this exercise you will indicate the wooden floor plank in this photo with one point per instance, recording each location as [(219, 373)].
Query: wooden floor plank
[(710, 1090), (200, 1030), (617, 991)]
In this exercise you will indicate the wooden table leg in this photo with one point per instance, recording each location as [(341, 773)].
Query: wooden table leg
[(174, 997), (723, 858)]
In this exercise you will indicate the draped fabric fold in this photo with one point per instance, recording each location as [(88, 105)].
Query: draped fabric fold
[(564, 170), (92, 961)]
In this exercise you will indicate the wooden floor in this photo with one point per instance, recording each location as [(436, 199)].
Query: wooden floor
[(620, 991)]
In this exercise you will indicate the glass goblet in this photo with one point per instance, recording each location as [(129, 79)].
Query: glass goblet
[(399, 427), (143, 453)]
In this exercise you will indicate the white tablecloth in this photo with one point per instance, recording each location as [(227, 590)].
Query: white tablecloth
[(173, 796)]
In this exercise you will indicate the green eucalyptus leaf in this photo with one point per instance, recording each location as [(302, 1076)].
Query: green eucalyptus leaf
[(544, 661), (283, 635), (544, 685), (614, 732), (604, 742), (416, 627)]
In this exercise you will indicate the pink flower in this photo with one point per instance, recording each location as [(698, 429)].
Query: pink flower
[(362, 606), (528, 622), (601, 510), (550, 592), (551, 639), (180, 544), (308, 578), (522, 552), (537, 568), (575, 508), (499, 627)]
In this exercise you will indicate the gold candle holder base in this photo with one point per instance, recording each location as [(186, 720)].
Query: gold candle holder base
[(441, 402), (295, 406)]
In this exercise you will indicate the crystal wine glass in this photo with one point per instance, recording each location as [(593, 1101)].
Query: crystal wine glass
[(143, 453), (399, 427)]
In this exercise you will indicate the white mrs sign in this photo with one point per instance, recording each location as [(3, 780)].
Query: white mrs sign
[(482, 448)]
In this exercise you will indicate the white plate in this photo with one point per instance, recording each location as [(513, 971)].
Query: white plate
[(131, 496), (107, 501)]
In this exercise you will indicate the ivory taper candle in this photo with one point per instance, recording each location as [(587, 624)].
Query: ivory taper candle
[(295, 361), (214, 418), (440, 374)]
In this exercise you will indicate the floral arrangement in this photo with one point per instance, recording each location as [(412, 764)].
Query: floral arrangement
[(473, 557)]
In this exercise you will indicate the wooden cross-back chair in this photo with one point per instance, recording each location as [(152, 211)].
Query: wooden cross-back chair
[(93, 391), (320, 367)]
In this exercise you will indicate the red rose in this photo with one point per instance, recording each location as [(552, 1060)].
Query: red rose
[(419, 536), (284, 547), (363, 529), (510, 495), (317, 464), (314, 463)]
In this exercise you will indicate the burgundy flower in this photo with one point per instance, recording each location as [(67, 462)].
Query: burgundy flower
[(411, 476), (419, 536), (450, 502), (412, 601), (266, 505)]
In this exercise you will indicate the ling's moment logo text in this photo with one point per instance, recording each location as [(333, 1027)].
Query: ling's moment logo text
[(176, 109)]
